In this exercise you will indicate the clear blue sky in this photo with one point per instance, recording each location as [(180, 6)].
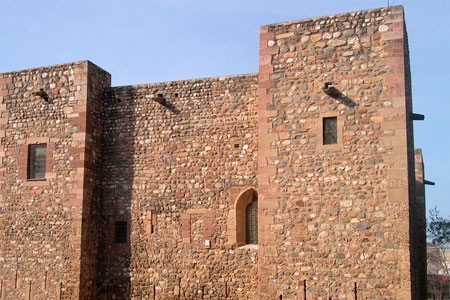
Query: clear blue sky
[(150, 41)]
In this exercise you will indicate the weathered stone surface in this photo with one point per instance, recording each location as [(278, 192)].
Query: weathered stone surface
[(42, 244), (347, 186), (383, 28), (336, 42), (349, 32), (172, 159)]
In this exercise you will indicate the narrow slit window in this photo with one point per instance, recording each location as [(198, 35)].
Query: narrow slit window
[(36, 161), (120, 232), (330, 130), (251, 222)]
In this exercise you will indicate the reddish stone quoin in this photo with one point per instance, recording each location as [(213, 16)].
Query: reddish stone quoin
[(179, 162)]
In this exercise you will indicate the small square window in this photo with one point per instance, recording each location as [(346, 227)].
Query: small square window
[(36, 161), (120, 232), (330, 130)]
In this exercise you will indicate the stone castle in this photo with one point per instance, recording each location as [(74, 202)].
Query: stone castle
[(297, 182)]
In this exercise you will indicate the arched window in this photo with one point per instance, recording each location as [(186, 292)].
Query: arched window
[(251, 222), (247, 218)]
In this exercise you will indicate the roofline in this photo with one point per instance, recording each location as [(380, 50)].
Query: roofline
[(86, 61), (334, 15), (192, 80)]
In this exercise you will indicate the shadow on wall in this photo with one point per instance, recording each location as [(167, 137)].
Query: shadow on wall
[(163, 101), (119, 153), (334, 93), (114, 255)]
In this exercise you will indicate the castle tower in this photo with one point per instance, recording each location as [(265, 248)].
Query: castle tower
[(336, 158), (297, 181)]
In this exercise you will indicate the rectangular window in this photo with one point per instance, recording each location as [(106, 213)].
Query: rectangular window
[(121, 232), (251, 222), (330, 130), (36, 161)]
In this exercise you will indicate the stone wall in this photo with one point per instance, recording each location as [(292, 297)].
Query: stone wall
[(41, 219), (420, 225), (173, 171), (335, 215), (179, 161), (97, 82)]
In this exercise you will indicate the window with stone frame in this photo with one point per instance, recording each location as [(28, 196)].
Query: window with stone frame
[(251, 222), (120, 234), (37, 161), (246, 218), (330, 131)]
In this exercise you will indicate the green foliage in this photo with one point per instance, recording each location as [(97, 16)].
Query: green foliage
[(438, 228)]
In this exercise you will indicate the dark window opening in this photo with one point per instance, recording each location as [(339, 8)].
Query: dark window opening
[(330, 130), (36, 161), (251, 222), (237, 146), (121, 232)]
